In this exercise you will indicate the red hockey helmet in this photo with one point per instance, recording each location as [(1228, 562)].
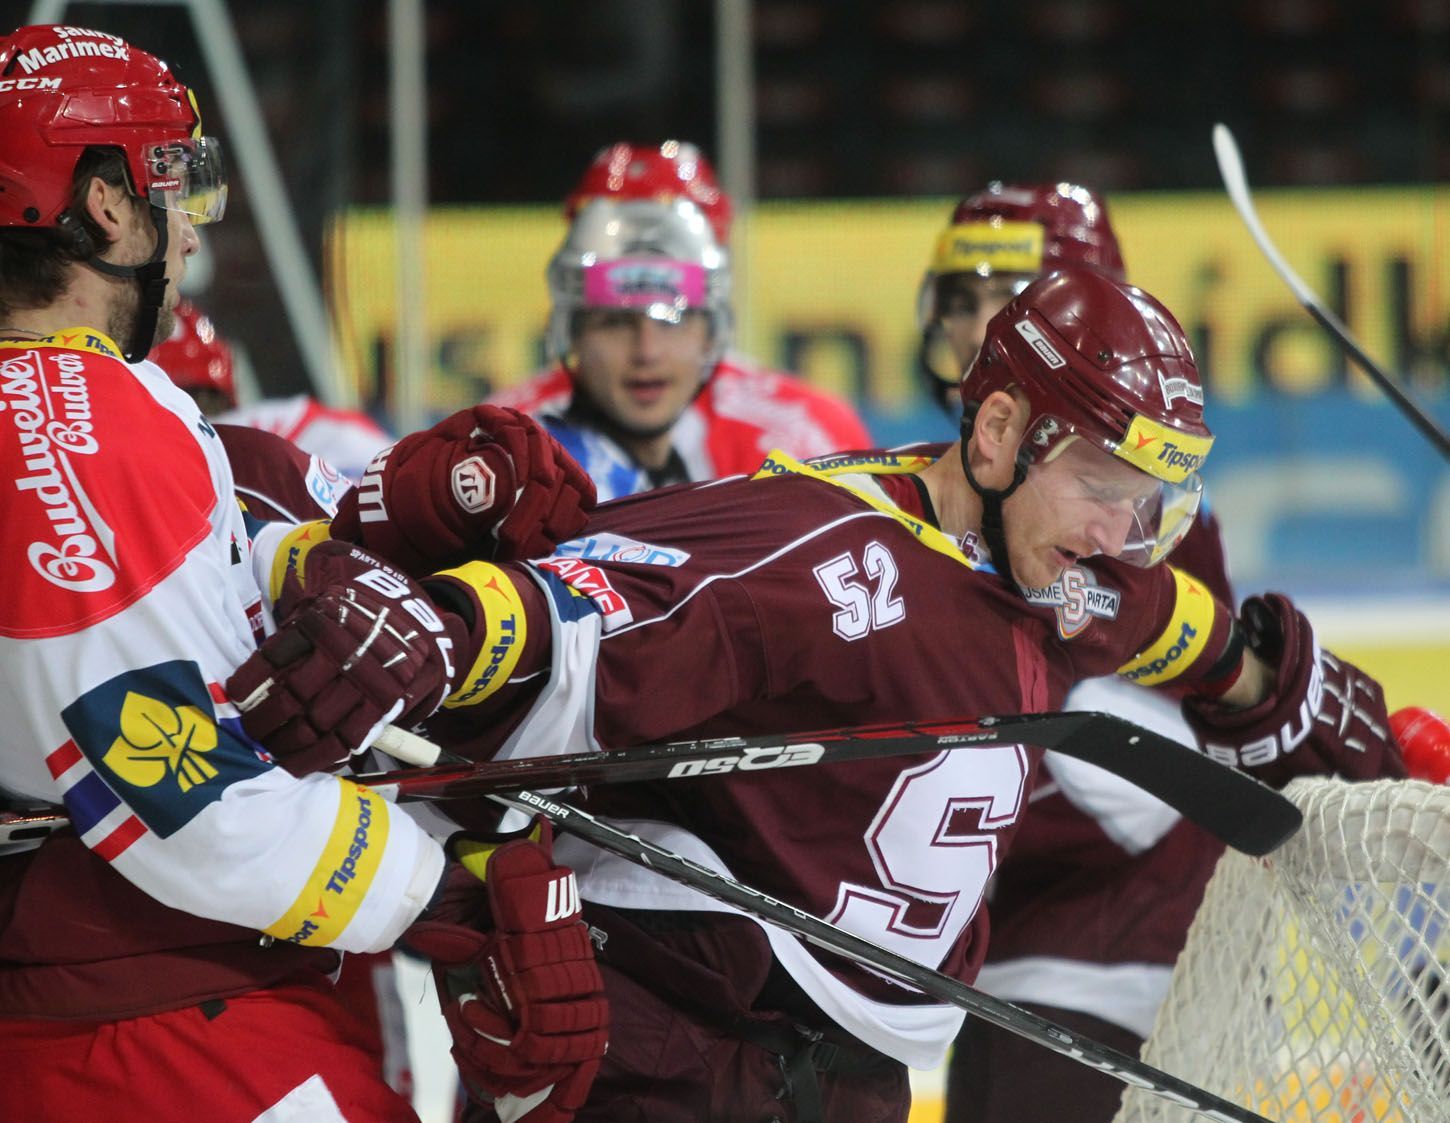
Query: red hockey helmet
[(1106, 363), (196, 357), (674, 169), (65, 89)]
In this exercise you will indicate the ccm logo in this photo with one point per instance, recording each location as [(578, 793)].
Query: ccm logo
[(768, 756), (29, 84)]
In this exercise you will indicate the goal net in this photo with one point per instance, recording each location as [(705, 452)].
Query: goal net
[(1313, 987)]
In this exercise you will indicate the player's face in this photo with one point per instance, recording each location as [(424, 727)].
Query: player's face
[(1083, 502), (640, 372), (967, 304)]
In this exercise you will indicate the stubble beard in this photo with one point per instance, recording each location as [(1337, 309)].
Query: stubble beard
[(126, 310)]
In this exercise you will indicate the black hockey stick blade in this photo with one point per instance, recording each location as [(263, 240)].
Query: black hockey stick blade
[(1235, 181), (942, 987), (1232, 806)]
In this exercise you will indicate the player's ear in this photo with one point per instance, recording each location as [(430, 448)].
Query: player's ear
[(109, 207), (999, 427)]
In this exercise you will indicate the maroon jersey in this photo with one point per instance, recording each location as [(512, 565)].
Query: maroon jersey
[(276, 480), (78, 940), (1093, 906), (801, 599)]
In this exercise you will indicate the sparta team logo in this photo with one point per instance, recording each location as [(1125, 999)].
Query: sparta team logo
[(1077, 599)]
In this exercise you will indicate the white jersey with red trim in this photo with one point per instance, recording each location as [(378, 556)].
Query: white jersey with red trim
[(132, 592), (743, 414), (345, 438)]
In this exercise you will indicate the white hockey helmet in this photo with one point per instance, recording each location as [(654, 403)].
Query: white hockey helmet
[(658, 258)]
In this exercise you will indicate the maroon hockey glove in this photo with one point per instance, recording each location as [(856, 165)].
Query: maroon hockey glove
[(487, 483), (359, 645), (517, 980), (1323, 716)]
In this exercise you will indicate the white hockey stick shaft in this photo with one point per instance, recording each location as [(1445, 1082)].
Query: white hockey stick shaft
[(1231, 169)]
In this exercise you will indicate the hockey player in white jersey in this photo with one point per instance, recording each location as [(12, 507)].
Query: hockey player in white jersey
[(197, 905)]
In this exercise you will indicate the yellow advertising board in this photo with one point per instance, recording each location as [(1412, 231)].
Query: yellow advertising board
[(829, 289)]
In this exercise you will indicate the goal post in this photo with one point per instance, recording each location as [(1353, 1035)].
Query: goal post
[(1313, 985)]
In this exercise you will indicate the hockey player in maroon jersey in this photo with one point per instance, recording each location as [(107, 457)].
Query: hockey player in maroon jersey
[(1093, 906), (166, 956), (642, 391), (855, 589)]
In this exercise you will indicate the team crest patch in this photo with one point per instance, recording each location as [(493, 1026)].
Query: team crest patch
[(1077, 599), (164, 741)]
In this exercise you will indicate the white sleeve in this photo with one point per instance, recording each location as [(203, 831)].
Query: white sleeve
[(1127, 814), (130, 585)]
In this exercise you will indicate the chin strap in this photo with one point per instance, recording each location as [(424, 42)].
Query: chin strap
[(151, 276), (992, 499)]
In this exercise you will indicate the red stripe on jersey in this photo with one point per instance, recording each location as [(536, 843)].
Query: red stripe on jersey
[(218, 695), (115, 843), (60, 761)]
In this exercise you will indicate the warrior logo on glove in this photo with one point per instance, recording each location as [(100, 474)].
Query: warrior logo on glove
[(484, 484), (473, 485)]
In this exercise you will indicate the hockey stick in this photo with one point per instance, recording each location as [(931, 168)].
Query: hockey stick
[(930, 982), (1234, 807), (1231, 169)]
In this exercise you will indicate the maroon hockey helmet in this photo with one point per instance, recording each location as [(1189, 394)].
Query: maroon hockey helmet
[(196, 357), (1104, 362), (1026, 229), (65, 89), (659, 173), (1074, 221)]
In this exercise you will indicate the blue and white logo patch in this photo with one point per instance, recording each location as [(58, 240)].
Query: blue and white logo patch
[(155, 736)]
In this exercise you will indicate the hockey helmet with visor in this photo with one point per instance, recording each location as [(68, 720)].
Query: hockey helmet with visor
[(66, 89), (1106, 365)]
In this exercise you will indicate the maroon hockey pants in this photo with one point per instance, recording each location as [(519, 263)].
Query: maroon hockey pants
[(999, 1077), (665, 1066)]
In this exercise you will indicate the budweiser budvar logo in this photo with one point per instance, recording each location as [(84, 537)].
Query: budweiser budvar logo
[(51, 416)]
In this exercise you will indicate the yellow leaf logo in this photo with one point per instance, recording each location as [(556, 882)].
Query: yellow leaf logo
[(158, 740)]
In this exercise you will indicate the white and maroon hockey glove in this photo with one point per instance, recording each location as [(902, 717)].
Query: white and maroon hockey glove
[(1324, 715), (359, 645), (517, 980), (486, 483)]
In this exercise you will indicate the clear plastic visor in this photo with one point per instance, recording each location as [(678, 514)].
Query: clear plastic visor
[(188, 176), (1106, 506)]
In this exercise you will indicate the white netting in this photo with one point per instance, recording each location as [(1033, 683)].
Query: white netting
[(1313, 988)]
